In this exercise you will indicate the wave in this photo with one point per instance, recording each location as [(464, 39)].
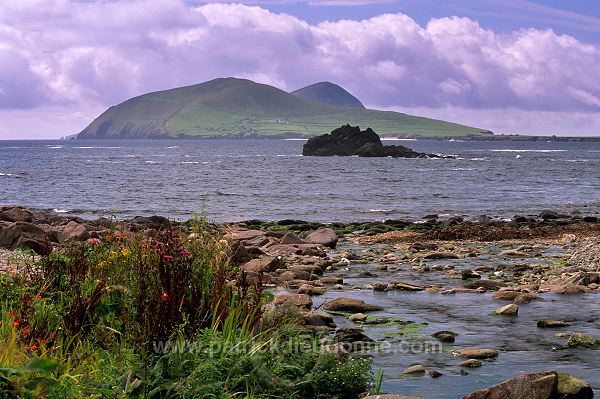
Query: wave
[(96, 147), (377, 210), (224, 193), (396, 139), (57, 210), (511, 150), (13, 175), (55, 147)]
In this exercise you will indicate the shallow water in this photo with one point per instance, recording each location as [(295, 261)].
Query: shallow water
[(269, 179), (522, 345)]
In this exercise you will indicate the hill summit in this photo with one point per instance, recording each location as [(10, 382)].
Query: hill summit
[(329, 93), (241, 108)]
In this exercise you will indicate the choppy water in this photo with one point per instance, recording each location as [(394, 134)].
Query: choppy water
[(269, 179)]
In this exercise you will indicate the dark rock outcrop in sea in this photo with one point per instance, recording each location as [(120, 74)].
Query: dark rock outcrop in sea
[(350, 140)]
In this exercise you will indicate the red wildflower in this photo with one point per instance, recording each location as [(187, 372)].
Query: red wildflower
[(164, 297)]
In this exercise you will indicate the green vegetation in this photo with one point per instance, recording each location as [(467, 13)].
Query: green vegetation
[(329, 93), (161, 316), (241, 108)]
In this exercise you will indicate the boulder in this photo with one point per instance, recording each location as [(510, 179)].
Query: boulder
[(471, 363), (350, 305), (358, 317), (290, 238), (351, 334), (324, 236), (414, 369), (311, 290), (399, 285), (331, 280), (445, 336), (507, 310), (551, 323), (530, 386), (570, 387), (477, 353), (73, 231), (22, 234), (299, 300), (579, 339), (318, 319), (441, 255), (263, 265), (16, 214), (516, 296)]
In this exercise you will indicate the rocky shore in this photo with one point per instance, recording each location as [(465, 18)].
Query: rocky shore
[(341, 279)]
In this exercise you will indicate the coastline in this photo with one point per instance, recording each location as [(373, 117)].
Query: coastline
[(426, 278)]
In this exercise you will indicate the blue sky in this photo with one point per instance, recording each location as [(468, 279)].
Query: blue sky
[(512, 66)]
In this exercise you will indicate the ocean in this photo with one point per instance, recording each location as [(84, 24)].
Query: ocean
[(232, 180)]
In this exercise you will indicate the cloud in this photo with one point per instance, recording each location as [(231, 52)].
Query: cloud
[(83, 55)]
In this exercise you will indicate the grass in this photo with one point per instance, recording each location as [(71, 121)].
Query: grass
[(159, 316), (241, 108)]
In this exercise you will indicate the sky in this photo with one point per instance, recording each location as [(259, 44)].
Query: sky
[(510, 66)]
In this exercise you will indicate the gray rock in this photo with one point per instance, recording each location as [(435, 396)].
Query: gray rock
[(22, 234), (264, 264), (350, 305), (507, 310), (323, 236), (530, 386), (415, 369), (477, 353)]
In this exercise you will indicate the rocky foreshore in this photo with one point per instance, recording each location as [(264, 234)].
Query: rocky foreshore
[(335, 277)]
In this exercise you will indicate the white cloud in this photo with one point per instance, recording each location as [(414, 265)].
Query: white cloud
[(63, 53)]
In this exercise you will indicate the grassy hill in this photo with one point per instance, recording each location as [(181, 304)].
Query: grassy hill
[(230, 107), (329, 93)]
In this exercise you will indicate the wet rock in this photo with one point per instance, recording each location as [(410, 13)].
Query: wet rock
[(414, 369), (511, 253), (516, 296), (351, 334), (350, 305), (477, 353), (311, 290), (471, 363), (299, 300), (358, 317), (530, 386), (399, 285), (445, 336), (243, 235), (318, 319), (552, 323), (263, 264), (419, 246), (441, 255), (469, 274), (584, 278), (312, 269), (157, 222), (565, 289), (323, 236), (579, 339), (435, 374), (489, 285), (331, 280), (570, 387), (22, 234), (507, 310), (379, 287)]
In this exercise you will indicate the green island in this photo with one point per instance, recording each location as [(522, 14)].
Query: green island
[(239, 108)]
